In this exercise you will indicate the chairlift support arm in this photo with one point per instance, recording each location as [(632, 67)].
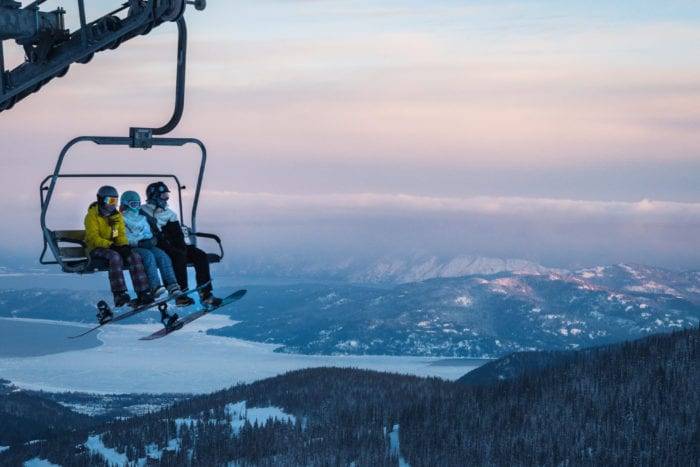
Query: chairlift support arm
[(51, 49)]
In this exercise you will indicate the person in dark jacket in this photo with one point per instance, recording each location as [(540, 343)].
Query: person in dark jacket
[(171, 239)]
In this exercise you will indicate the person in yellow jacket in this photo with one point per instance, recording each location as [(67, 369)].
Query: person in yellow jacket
[(105, 240)]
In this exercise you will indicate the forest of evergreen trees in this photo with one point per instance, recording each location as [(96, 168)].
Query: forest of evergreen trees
[(635, 403)]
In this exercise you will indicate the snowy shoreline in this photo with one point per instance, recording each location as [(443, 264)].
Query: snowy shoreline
[(188, 361)]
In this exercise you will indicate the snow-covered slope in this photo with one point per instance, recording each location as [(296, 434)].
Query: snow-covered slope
[(421, 269), (478, 315), (470, 307), (642, 279), (386, 270)]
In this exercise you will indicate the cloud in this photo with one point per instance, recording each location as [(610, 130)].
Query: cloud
[(328, 227), (401, 204), (554, 232)]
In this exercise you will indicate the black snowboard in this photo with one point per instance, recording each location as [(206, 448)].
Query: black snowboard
[(180, 323), (134, 311)]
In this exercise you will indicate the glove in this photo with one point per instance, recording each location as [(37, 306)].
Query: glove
[(125, 252), (148, 243), (174, 237)]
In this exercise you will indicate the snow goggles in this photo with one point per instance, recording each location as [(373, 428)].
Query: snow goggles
[(110, 200), (134, 204)]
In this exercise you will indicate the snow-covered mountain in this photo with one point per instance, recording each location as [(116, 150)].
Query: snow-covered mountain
[(387, 270), (478, 315), (421, 269), (642, 279)]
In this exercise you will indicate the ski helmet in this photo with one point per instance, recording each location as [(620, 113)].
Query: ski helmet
[(107, 199), (156, 193), (131, 200)]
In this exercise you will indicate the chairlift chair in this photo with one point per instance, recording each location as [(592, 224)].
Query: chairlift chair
[(67, 245)]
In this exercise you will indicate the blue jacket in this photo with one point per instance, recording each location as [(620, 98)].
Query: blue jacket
[(137, 227)]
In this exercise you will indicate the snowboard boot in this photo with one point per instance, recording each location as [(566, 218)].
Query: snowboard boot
[(104, 313), (145, 297), (184, 300), (174, 290), (158, 291), (209, 300), (121, 299)]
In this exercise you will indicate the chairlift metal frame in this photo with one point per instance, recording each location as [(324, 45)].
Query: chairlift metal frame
[(139, 138), (51, 241), (50, 49)]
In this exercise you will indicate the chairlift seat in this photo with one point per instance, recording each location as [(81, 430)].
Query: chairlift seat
[(75, 259)]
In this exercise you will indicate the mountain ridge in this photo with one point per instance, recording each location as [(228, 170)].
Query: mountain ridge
[(477, 316)]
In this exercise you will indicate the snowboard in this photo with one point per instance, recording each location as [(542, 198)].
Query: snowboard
[(180, 323), (159, 303)]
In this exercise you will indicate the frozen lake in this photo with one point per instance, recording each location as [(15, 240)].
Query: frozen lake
[(188, 361), (34, 338)]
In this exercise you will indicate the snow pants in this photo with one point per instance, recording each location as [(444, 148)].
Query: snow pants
[(154, 259), (116, 270), (201, 266)]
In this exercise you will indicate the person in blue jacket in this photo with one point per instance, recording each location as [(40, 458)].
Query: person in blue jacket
[(140, 237)]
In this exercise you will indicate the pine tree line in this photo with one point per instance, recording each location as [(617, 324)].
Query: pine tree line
[(630, 404)]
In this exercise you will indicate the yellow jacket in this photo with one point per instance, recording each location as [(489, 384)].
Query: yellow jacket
[(103, 232)]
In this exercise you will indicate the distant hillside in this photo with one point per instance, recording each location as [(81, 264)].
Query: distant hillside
[(25, 417), (390, 270), (634, 403), (529, 308), (515, 365), (63, 305), (472, 316)]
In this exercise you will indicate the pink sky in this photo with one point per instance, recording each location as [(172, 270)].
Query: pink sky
[(321, 100)]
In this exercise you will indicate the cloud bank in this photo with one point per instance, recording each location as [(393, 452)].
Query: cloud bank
[(554, 232), (363, 203)]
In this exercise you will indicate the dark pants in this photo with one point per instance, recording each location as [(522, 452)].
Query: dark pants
[(201, 266), (116, 270)]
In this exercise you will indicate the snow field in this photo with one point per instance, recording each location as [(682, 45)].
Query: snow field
[(36, 462), (395, 447), (95, 445), (239, 414), (187, 361)]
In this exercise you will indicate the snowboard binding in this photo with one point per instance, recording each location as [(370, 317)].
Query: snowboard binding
[(167, 319), (104, 312)]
